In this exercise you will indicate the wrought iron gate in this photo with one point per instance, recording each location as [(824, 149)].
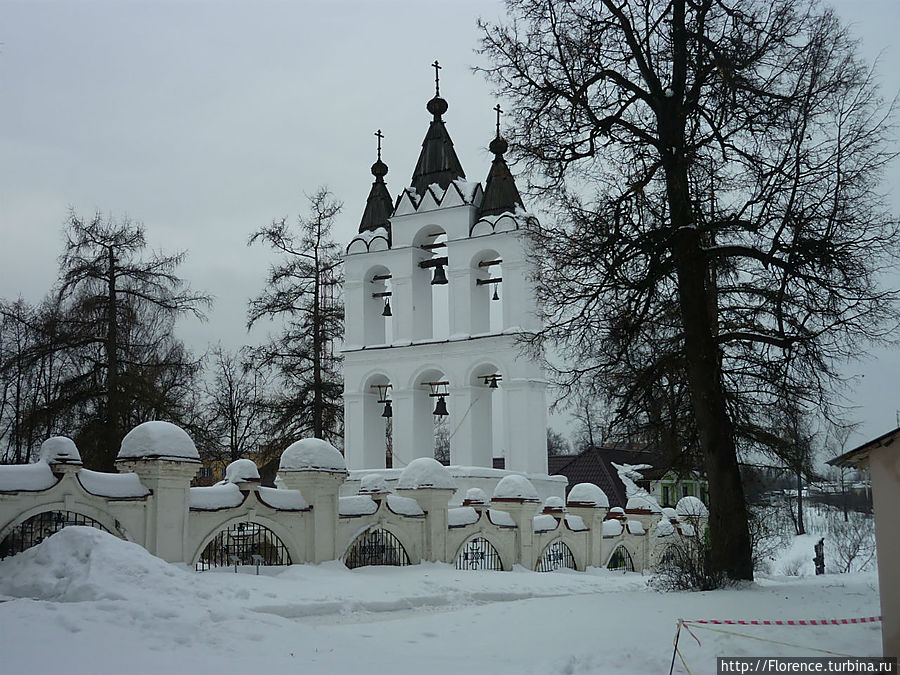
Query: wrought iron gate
[(244, 543), (621, 560), (37, 528), (478, 554), (556, 556), (376, 547)]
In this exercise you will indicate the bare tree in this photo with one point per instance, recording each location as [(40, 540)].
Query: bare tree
[(302, 292), (121, 307), (714, 166)]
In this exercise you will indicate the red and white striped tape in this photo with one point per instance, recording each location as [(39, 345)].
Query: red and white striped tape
[(793, 622)]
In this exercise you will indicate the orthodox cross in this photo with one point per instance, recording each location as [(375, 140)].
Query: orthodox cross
[(499, 111), (437, 83), (380, 136)]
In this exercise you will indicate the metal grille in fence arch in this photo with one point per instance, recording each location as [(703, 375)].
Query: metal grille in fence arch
[(376, 547), (556, 556), (40, 526), (478, 554), (621, 560), (244, 543)]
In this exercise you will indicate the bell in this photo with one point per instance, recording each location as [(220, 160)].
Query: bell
[(440, 408), (496, 295), (492, 383), (387, 308), (440, 277), (388, 411)]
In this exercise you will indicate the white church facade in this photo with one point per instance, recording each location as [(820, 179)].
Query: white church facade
[(438, 292)]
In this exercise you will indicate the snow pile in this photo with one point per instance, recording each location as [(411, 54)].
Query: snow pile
[(544, 522), (462, 516), (617, 512), (501, 518), (643, 503), (516, 487), (84, 563), (357, 505), (425, 472), (312, 454), (664, 528), (112, 485), (691, 506), (575, 523), (669, 513), (372, 484), (687, 530), (282, 499), (404, 506), (475, 496), (612, 528), (60, 450), (636, 527), (554, 503), (215, 497), (158, 440), (26, 477), (241, 471), (588, 494)]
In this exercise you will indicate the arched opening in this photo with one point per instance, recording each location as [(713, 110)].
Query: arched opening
[(376, 547), (556, 556), (378, 311), (487, 293), (478, 554), (431, 307), (377, 429), (244, 543), (620, 560), (485, 408), (431, 415), (34, 530)]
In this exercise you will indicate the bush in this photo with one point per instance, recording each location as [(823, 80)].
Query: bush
[(686, 564)]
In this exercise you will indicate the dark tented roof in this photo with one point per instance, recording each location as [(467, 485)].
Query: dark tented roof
[(379, 204), (438, 162), (500, 193)]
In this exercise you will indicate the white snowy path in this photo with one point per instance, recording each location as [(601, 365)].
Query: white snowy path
[(85, 602)]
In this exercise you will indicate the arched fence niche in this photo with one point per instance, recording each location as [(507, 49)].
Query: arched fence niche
[(376, 547), (556, 556), (244, 543), (478, 554), (40, 526), (621, 560)]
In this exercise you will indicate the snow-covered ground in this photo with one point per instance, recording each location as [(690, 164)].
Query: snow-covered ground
[(86, 602)]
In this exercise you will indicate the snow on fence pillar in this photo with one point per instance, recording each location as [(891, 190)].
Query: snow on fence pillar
[(428, 482), (591, 503), (317, 469), (165, 459), (516, 495)]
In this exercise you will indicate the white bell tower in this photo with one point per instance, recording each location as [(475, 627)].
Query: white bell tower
[(437, 287)]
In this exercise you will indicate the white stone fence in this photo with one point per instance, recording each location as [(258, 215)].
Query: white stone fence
[(304, 520)]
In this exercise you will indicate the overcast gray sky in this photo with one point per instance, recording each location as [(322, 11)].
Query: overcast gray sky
[(206, 120)]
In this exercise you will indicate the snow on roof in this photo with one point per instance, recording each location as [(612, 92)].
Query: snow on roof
[(60, 450), (26, 477), (467, 189), (462, 516), (687, 529), (617, 511), (215, 497), (501, 518), (669, 512), (544, 522), (514, 486), (312, 454), (664, 528), (357, 505), (643, 503), (612, 528), (691, 506), (636, 527), (241, 471), (590, 494), (158, 440), (476, 496), (554, 502), (404, 506), (372, 483), (112, 485), (282, 499), (575, 523), (426, 472)]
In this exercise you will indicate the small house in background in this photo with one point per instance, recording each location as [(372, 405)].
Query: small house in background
[(594, 465), (881, 457)]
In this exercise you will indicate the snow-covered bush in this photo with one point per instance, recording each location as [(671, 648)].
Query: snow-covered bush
[(850, 544), (686, 563)]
